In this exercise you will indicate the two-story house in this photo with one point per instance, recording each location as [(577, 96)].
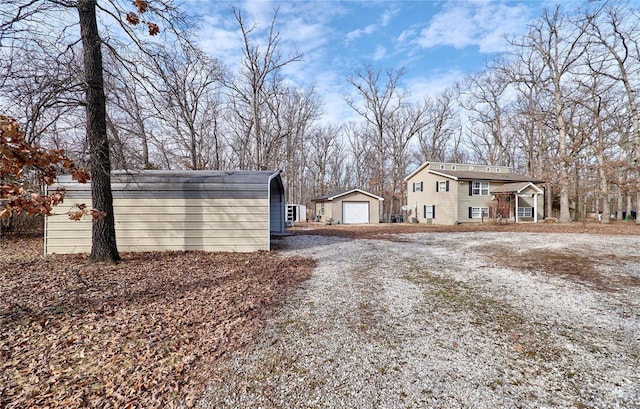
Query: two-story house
[(451, 193)]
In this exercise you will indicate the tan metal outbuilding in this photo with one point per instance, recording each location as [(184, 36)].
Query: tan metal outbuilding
[(353, 206), (177, 210)]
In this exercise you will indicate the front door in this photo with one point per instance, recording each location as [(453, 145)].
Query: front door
[(504, 207)]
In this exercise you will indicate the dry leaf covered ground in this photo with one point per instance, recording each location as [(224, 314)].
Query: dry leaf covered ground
[(145, 333)]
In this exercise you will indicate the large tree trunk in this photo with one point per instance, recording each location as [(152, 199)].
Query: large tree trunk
[(103, 238)]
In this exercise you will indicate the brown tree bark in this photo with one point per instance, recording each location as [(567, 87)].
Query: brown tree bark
[(103, 237)]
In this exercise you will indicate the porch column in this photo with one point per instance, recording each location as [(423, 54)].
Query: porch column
[(535, 208), (516, 207)]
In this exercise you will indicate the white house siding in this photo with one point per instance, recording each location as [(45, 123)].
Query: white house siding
[(445, 202), (466, 201), (156, 211)]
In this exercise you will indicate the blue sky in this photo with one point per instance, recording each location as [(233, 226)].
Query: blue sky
[(437, 42)]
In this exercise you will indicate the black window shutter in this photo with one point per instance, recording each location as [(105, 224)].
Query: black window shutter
[(470, 212), (414, 186), (421, 189), (433, 211), (437, 183), (470, 189), (425, 211), (447, 185)]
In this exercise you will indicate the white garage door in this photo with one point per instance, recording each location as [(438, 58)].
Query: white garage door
[(355, 212)]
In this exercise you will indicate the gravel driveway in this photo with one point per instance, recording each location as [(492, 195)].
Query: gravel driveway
[(449, 320)]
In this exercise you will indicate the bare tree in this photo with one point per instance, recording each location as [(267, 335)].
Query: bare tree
[(379, 99), (441, 126), (483, 95), (188, 105), (37, 91), (362, 155), (25, 24), (616, 31), (601, 101), (558, 43), (324, 148), (293, 113), (250, 91), (130, 111), (402, 128)]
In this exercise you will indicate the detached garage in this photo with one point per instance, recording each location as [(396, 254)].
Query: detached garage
[(177, 210), (351, 207)]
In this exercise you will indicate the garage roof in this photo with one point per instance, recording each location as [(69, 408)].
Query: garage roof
[(332, 196)]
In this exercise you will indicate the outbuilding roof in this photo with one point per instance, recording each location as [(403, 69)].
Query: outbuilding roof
[(231, 184), (332, 196)]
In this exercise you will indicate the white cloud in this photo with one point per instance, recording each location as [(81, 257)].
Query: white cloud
[(355, 34), (388, 15), (481, 24), (380, 52), (432, 85), (406, 36), (384, 21)]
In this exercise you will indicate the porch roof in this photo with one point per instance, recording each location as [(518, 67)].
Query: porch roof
[(516, 187)]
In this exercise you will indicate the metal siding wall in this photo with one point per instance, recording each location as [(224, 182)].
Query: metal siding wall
[(277, 209), (178, 224), (209, 211)]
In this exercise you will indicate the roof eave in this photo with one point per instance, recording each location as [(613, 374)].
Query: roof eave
[(435, 172), (415, 172)]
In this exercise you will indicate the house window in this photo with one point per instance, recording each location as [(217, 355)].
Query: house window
[(442, 167), (498, 170), (525, 211), (470, 167), (417, 186), (442, 186), (453, 167), (480, 189), (429, 211), (478, 212), (322, 208), (488, 169)]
